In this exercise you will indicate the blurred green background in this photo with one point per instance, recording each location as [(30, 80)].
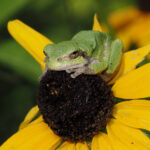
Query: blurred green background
[(19, 72)]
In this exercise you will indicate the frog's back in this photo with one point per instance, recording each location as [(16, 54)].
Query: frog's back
[(93, 42), (86, 41)]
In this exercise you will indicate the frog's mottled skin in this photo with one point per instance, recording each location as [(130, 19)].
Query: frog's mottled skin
[(88, 52)]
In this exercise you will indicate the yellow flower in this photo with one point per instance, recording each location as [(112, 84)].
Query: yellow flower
[(132, 26), (129, 117)]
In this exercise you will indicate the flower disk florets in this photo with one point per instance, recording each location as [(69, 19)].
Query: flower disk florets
[(75, 109)]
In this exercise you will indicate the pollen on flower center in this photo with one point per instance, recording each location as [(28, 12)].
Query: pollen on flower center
[(75, 109)]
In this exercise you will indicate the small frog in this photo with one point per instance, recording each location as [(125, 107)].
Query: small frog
[(88, 52)]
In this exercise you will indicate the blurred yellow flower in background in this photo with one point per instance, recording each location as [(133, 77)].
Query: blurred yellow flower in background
[(131, 84), (132, 26)]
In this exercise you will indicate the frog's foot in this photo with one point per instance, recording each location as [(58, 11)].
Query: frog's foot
[(78, 71), (69, 70)]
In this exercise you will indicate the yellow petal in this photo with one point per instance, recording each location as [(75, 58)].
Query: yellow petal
[(31, 40), (141, 24), (36, 136), (130, 60), (115, 142), (125, 38), (134, 85), (123, 17), (128, 34), (144, 41), (38, 120), (29, 117), (96, 25), (101, 142), (67, 146), (127, 137), (134, 113), (82, 146)]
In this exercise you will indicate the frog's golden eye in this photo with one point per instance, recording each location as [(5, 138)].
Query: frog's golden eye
[(71, 56), (75, 54), (45, 53)]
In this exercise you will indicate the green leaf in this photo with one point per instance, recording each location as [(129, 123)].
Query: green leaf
[(146, 132), (10, 7), (15, 103), (12, 55)]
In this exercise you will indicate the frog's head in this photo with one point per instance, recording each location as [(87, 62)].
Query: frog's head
[(65, 56)]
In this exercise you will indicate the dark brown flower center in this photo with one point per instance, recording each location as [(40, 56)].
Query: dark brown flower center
[(144, 5), (75, 109)]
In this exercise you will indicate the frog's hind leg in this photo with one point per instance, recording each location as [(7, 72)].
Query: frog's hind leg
[(115, 56)]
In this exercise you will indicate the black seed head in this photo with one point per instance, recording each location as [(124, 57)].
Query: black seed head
[(75, 109)]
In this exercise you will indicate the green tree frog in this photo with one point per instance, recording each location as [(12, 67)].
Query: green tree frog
[(88, 52)]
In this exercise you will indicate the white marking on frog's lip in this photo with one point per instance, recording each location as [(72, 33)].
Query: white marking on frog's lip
[(83, 68), (88, 61), (72, 66), (77, 69)]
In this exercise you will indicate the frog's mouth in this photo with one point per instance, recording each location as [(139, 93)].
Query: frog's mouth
[(77, 69)]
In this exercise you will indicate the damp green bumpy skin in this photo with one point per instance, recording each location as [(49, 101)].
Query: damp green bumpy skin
[(88, 52)]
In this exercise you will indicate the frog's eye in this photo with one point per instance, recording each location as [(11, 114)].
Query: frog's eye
[(45, 53), (73, 55), (77, 53)]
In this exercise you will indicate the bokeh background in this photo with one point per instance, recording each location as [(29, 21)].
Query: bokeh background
[(19, 72)]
